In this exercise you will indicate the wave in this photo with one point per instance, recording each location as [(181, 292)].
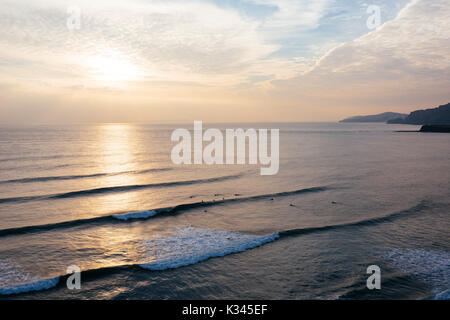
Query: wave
[(13, 279), (430, 266), (115, 189), (136, 215), (361, 223), (32, 286), (184, 246), (445, 295), (177, 209), (60, 156), (34, 158), (153, 212), (190, 245), (52, 226), (193, 205), (410, 271), (82, 176)]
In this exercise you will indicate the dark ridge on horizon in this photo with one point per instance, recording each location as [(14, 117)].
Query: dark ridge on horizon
[(434, 116), (382, 117)]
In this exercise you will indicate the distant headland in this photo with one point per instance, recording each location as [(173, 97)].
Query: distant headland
[(435, 116), (439, 116), (382, 117)]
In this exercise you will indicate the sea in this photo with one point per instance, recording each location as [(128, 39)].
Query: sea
[(107, 200)]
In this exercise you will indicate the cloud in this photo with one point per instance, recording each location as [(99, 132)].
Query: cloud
[(294, 13), (164, 41), (405, 62), (315, 60), (177, 40)]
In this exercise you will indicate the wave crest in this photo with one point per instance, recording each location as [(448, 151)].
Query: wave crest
[(190, 245), (32, 286)]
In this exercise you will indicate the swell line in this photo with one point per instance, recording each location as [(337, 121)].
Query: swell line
[(45, 284), (115, 189), (423, 205), (34, 158), (146, 214), (58, 281), (82, 176)]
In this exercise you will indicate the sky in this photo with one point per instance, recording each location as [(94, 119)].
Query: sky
[(80, 61)]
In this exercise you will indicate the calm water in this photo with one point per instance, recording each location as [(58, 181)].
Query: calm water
[(108, 199)]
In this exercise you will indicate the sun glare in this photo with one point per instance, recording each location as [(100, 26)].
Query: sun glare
[(113, 68)]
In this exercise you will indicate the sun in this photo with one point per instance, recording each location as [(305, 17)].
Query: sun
[(112, 67)]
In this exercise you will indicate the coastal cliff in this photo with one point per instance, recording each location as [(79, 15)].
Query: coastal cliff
[(434, 128), (382, 117), (436, 116)]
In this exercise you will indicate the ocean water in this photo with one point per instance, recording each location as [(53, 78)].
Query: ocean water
[(108, 199)]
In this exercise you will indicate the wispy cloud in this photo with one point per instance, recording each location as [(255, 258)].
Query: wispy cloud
[(305, 56), (294, 13), (197, 41), (404, 63)]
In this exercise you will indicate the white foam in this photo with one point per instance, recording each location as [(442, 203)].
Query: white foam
[(135, 215), (443, 295), (430, 266), (13, 280), (32, 286), (190, 245)]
